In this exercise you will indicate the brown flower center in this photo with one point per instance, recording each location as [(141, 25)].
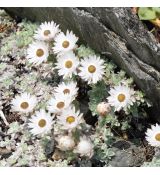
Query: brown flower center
[(66, 91), (46, 32), (65, 44), (24, 105), (91, 69), (121, 97), (70, 119), (42, 123), (60, 105), (68, 64), (157, 137), (39, 53)]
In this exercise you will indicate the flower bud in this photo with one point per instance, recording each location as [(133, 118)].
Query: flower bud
[(103, 109), (65, 143), (84, 147)]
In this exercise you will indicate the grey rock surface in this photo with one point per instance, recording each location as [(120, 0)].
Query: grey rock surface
[(115, 32), (127, 155)]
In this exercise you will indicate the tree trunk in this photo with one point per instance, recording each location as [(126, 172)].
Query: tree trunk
[(115, 32)]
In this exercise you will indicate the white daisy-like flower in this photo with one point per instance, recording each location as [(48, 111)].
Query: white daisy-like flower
[(59, 102), (85, 147), (64, 43), (70, 118), (67, 65), (68, 88), (47, 31), (24, 103), (121, 97), (153, 135), (91, 69), (65, 143), (37, 52), (40, 123)]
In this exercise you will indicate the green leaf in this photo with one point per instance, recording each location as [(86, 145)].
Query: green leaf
[(156, 9), (147, 13), (52, 58), (125, 125), (109, 119), (76, 135), (14, 128), (110, 153), (83, 51), (96, 95), (134, 110)]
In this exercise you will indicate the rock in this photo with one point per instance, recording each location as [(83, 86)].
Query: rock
[(157, 153), (114, 32), (127, 155), (5, 153)]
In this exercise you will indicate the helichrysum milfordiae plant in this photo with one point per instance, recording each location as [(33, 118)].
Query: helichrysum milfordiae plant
[(40, 123), (64, 43), (153, 135), (61, 107), (46, 31), (121, 97), (67, 65), (59, 116), (37, 52), (24, 103), (91, 69)]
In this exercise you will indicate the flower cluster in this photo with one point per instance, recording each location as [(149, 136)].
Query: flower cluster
[(109, 95), (61, 107), (50, 40)]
